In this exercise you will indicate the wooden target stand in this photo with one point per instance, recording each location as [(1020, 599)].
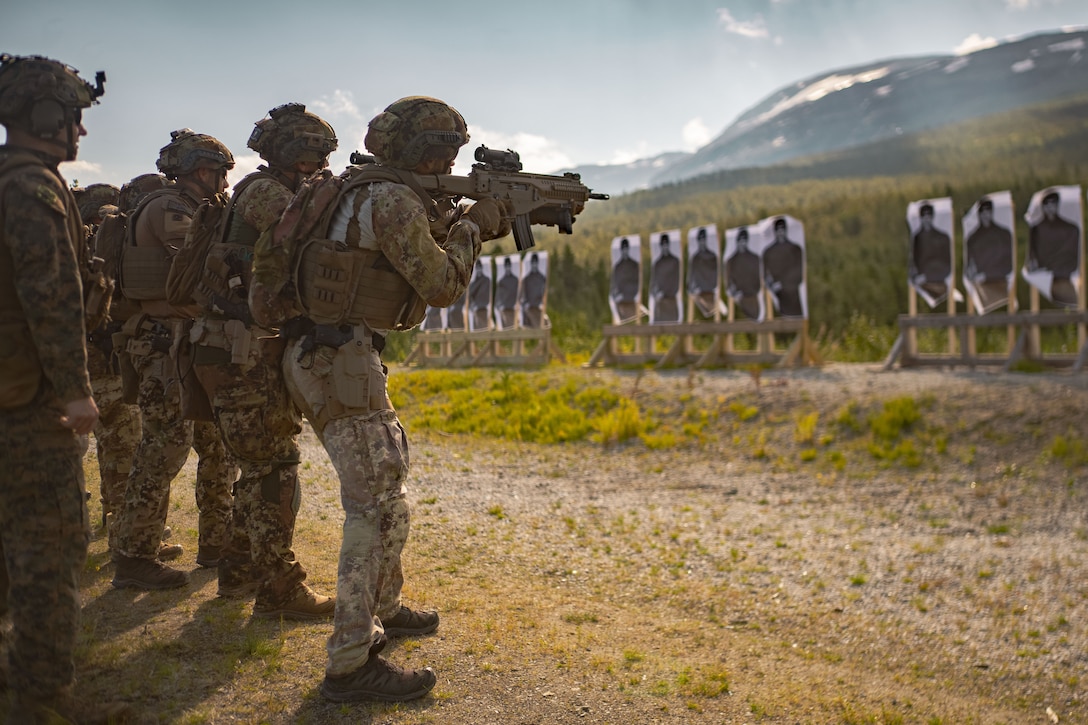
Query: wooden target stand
[(1024, 333), (516, 347), (707, 343)]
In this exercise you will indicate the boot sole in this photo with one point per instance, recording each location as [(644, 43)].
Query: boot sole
[(361, 694), (405, 632)]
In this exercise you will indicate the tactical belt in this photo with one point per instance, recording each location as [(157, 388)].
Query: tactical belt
[(313, 335)]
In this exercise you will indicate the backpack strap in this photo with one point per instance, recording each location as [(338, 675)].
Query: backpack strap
[(370, 173)]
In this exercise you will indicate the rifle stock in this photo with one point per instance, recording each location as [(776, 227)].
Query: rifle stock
[(533, 198)]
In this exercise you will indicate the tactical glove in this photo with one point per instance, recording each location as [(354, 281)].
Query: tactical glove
[(490, 216)]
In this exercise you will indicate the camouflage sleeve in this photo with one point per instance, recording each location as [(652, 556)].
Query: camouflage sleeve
[(439, 273), (47, 280)]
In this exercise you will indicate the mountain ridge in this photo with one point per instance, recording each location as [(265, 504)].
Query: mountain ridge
[(849, 107)]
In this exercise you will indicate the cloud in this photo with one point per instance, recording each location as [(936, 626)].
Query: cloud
[(696, 134), (974, 42), (640, 151), (539, 155), (85, 172), (243, 166), (756, 28), (338, 104), (1029, 4)]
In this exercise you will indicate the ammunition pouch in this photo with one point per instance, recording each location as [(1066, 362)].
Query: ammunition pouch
[(147, 337), (225, 274), (143, 272), (20, 368), (337, 285), (219, 342)]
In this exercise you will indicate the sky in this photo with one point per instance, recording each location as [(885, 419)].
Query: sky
[(563, 82)]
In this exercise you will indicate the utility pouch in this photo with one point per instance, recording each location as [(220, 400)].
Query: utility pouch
[(351, 373), (326, 280), (240, 341), (130, 381)]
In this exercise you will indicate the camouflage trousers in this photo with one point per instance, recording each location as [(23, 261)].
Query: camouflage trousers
[(163, 450), (370, 455), (259, 425), (116, 436), (44, 535)]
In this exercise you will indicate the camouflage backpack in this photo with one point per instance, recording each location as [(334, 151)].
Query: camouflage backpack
[(210, 225), (113, 236)]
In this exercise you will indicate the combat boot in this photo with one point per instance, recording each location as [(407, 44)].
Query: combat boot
[(236, 580), (380, 680), (208, 556), (301, 603), (146, 574), (410, 623), (169, 552)]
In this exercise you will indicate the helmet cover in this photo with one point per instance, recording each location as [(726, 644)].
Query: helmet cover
[(403, 134), (292, 134), (189, 151)]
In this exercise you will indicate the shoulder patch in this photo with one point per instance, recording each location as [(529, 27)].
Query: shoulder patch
[(43, 188), (50, 198), (178, 206)]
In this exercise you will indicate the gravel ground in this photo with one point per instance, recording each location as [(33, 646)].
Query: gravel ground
[(814, 581)]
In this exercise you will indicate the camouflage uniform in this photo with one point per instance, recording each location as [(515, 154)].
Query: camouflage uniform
[(369, 450), (162, 220), (117, 432), (43, 517), (257, 420)]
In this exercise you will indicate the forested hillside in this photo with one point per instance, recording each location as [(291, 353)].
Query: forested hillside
[(853, 206)]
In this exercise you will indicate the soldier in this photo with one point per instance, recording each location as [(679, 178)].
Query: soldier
[(335, 373), (45, 393), (198, 165), (258, 421), (118, 429)]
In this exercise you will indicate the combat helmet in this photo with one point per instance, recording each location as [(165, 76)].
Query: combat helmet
[(90, 200), (292, 134), (402, 135), (42, 96), (139, 187), (189, 151)]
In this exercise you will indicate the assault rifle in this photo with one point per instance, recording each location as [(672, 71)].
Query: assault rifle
[(536, 198)]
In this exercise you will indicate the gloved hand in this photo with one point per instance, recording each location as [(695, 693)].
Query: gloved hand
[(490, 215)]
